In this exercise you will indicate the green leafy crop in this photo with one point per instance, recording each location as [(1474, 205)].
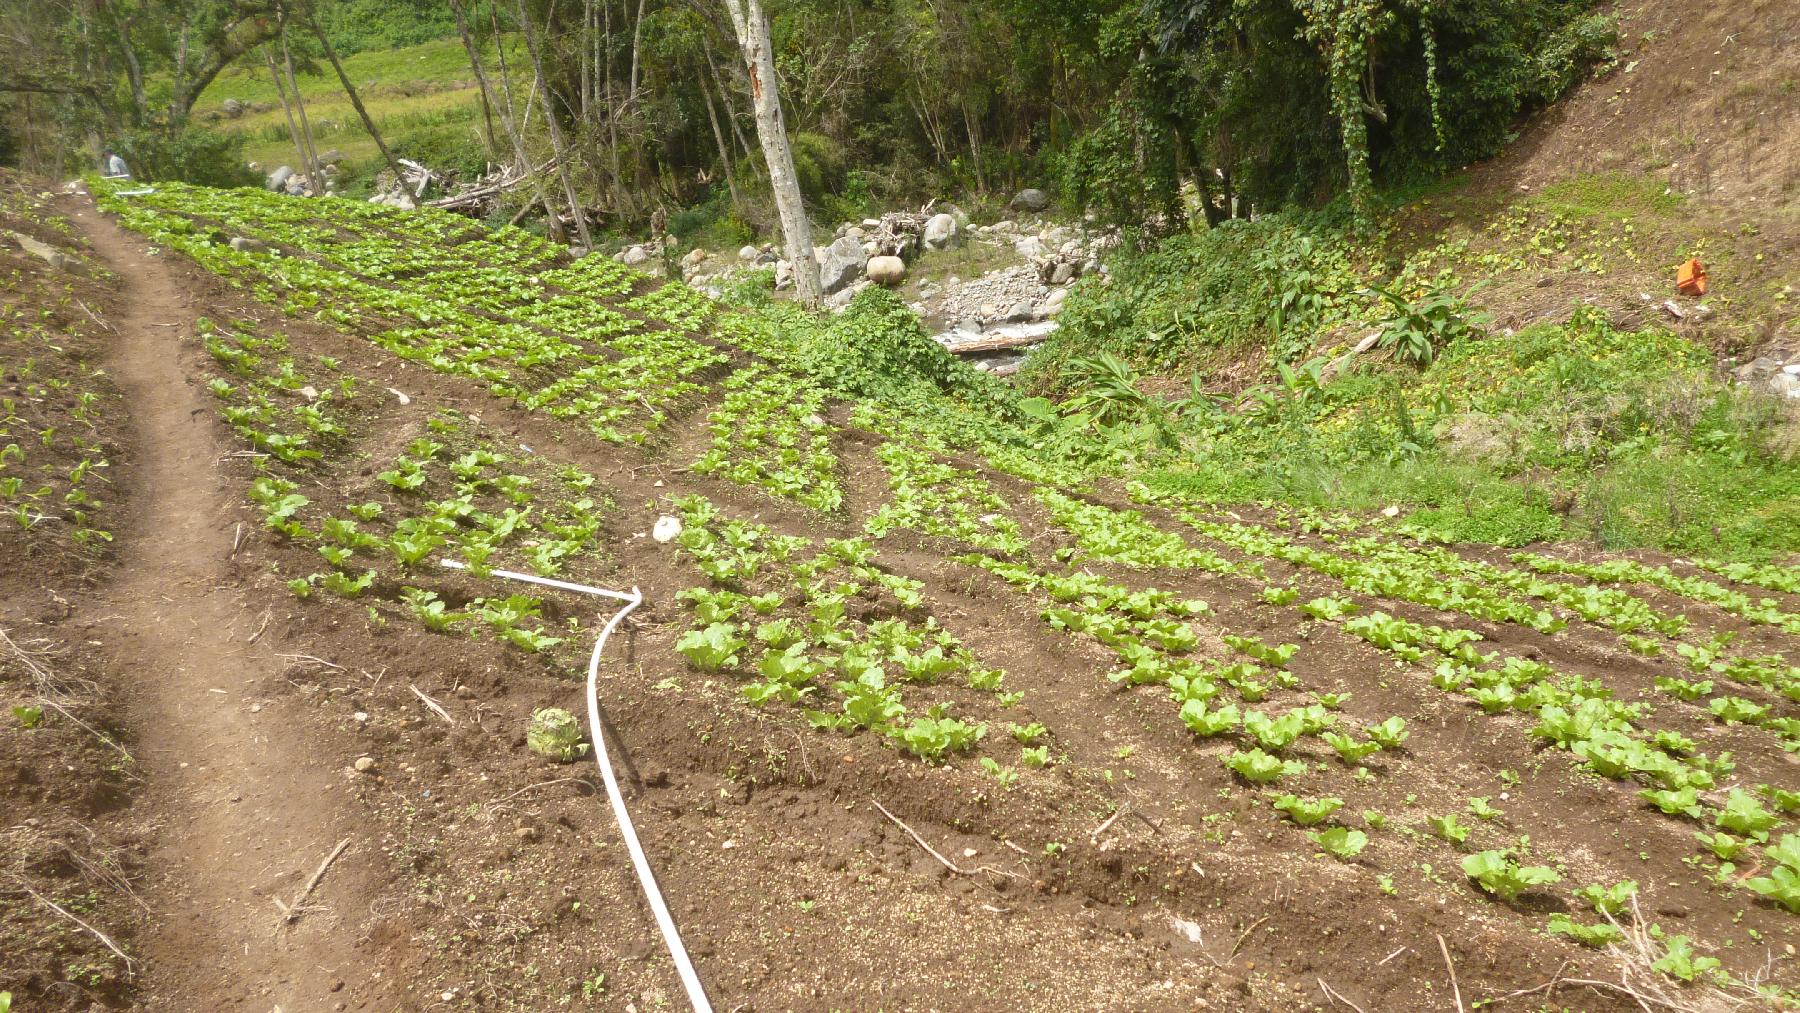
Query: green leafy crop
[(1504, 878)]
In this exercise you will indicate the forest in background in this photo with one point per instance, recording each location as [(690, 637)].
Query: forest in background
[(1122, 107)]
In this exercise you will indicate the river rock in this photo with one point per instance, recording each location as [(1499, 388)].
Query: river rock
[(841, 263), (941, 232), (887, 270), (1063, 273), (1030, 199), (634, 256), (748, 254)]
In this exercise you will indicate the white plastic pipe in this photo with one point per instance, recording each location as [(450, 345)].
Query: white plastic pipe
[(634, 598), (684, 966)]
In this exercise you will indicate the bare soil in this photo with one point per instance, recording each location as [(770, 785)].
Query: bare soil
[(1132, 874)]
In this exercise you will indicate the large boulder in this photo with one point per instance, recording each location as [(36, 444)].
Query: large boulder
[(634, 256), (841, 264), (748, 254), (1030, 199), (889, 271), (233, 108), (941, 232), (278, 179)]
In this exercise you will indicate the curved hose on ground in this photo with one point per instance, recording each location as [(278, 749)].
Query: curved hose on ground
[(684, 966)]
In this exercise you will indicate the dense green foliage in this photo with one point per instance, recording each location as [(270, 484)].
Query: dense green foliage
[(1150, 112), (358, 26)]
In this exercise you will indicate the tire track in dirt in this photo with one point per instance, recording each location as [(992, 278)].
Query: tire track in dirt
[(245, 807)]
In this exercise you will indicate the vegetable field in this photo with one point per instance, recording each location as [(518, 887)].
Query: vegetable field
[(925, 709)]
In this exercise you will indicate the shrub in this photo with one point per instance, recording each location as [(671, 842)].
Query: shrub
[(203, 157)]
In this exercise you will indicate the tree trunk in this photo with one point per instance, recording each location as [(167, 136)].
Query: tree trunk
[(314, 175), (637, 46), (557, 143), (972, 127), (725, 100), (286, 111), (753, 38), (620, 197), (506, 120), (350, 90), (712, 116)]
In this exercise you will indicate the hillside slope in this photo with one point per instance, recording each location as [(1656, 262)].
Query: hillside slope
[(1130, 727)]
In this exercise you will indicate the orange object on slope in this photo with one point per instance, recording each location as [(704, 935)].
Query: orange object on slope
[(1690, 278)]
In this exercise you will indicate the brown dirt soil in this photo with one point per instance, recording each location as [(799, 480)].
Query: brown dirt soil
[(1705, 99), (480, 875), (1133, 873), (67, 780)]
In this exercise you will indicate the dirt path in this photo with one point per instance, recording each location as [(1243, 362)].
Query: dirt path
[(247, 813)]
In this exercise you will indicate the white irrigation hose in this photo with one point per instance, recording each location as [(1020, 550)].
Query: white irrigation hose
[(684, 967)]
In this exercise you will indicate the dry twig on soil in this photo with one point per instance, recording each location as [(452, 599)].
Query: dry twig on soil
[(1455, 989), (910, 832), (291, 912), (51, 691), (96, 933), (436, 708), (1334, 996)]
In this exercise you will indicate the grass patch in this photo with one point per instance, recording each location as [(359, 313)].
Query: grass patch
[(422, 98), (1616, 196)]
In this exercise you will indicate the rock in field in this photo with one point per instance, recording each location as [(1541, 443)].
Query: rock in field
[(1030, 199), (841, 263), (941, 232), (887, 270)]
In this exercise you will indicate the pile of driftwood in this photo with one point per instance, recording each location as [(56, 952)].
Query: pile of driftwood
[(409, 188), (897, 233), (481, 197)]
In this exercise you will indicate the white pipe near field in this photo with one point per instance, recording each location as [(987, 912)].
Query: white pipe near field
[(684, 966)]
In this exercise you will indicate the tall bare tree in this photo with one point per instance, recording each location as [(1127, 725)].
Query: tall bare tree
[(558, 144), (503, 105), (752, 30), (312, 21)]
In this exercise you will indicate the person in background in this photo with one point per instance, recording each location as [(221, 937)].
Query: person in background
[(115, 166)]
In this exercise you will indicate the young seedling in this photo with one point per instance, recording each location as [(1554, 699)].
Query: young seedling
[(1307, 813), (1341, 843), (1596, 935), (1391, 734), (1259, 767), (1449, 829), (1609, 900), (1503, 878), (712, 649), (1349, 749)]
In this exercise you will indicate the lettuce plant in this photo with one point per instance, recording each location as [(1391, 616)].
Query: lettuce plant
[(712, 649), (1504, 878)]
